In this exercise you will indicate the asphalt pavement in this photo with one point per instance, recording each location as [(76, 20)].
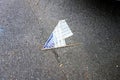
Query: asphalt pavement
[(25, 25)]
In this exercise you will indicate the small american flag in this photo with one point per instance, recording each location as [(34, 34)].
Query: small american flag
[(58, 36)]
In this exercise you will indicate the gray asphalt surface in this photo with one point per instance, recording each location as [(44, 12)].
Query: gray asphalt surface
[(26, 24)]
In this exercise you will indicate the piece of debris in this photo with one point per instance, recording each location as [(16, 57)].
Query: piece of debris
[(60, 65)]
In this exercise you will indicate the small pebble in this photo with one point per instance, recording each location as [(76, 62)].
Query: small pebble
[(117, 66), (61, 65)]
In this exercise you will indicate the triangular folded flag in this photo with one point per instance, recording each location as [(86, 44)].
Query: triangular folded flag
[(58, 36)]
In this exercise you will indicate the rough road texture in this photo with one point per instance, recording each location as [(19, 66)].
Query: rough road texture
[(26, 24)]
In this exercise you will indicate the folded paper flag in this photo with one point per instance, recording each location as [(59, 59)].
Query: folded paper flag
[(58, 36)]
